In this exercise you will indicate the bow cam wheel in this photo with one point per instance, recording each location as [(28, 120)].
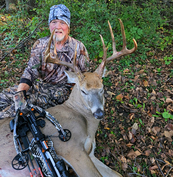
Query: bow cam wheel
[(20, 162)]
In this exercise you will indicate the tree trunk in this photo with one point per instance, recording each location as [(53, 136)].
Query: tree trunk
[(31, 3), (10, 4)]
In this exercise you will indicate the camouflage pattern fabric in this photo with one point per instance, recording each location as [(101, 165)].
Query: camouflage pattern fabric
[(7, 106), (60, 12), (40, 94), (49, 72), (20, 100), (51, 89)]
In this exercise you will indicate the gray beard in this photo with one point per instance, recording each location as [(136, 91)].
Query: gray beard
[(58, 39)]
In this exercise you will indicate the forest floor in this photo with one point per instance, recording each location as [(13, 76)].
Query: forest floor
[(136, 135)]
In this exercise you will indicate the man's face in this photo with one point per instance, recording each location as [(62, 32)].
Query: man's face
[(61, 30)]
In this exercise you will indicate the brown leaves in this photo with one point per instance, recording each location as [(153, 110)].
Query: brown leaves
[(147, 152), (110, 93), (124, 162), (119, 97), (139, 136), (169, 134), (145, 83), (169, 100), (133, 154)]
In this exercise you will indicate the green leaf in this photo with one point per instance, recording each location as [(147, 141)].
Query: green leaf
[(140, 121), (166, 115), (100, 60)]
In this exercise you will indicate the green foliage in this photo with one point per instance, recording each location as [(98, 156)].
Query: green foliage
[(168, 60), (166, 115), (106, 81), (147, 22)]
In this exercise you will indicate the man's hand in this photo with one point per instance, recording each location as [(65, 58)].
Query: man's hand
[(20, 100)]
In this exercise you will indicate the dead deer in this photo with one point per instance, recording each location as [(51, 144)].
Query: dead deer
[(81, 114)]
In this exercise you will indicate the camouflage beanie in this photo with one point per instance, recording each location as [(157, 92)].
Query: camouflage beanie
[(60, 12)]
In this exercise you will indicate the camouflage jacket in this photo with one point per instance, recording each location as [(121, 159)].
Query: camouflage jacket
[(53, 73)]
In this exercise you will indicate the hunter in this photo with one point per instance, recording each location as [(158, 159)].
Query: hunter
[(45, 84)]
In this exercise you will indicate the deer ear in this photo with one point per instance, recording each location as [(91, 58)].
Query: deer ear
[(103, 73), (71, 76)]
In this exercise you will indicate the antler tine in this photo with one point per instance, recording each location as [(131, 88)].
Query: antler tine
[(74, 65), (124, 50), (123, 33), (47, 52), (75, 54), (115, 54), (104, 49), (113, 39)]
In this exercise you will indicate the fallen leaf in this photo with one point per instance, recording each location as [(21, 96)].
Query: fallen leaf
[(148, 152), (168, 134), (106, 128), (156, 130), (169, 100), (153, 167), (127, 97), (170, 152), (138, 153), (124, 166), (153, 98), (119, 97), (123, 159), (169, 126), (168, 163), (141, 71), (145, 83), (116, 84), (152, 160), (133, 154), (129, 144), (153, 92), (136, 78), (135, 126), (126, 70), (110, 93), (131, 116), (130, 135), (153, 171)]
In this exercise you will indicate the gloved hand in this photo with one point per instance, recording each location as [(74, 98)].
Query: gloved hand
[(20, 100)]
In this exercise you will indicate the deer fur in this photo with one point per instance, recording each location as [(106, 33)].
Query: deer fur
[(77, 115)]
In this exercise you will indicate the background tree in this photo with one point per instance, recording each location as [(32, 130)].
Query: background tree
[(10, 4)]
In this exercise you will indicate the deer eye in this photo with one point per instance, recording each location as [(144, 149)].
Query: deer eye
[(84, 92)]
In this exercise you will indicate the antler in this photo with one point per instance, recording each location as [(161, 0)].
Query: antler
[(115, 54), (53, 58)]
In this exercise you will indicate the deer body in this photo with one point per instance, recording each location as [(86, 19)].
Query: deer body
[(76, 116), (80, 114)]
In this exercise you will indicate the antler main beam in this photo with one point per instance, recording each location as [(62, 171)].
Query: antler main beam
[(115, 54), (124, 50)]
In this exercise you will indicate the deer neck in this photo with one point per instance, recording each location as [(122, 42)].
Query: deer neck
[(76, 103)]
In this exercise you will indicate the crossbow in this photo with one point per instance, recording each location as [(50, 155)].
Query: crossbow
[(39, 148)]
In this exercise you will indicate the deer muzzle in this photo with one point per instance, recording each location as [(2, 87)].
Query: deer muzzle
[(99, 114)]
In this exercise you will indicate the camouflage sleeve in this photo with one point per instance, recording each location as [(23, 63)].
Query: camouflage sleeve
[(82, 57), (31, 71)]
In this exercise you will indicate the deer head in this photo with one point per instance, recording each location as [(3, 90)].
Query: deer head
[(89, 85)]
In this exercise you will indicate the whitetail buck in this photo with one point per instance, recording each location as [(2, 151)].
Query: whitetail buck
[(81, 114)]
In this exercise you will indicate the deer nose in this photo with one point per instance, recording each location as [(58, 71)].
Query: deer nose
[(99, 114)]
